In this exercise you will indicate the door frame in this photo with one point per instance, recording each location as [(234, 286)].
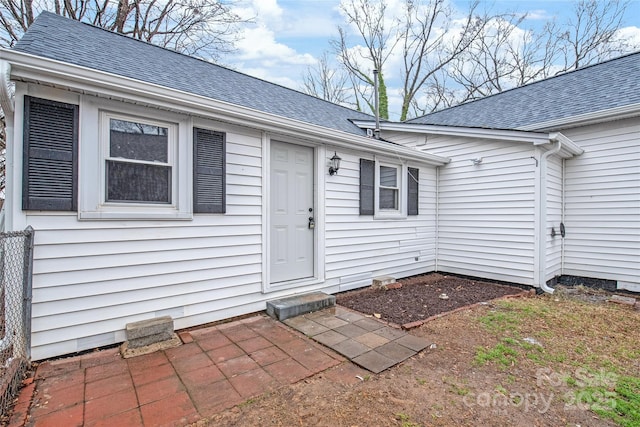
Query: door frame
[(319, 154)]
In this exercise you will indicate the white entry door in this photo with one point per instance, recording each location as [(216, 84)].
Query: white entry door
[(292, 213)]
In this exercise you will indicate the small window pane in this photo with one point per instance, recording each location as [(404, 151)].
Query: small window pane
[(134, 182), (388, 176), (388, 198), (138, 141)]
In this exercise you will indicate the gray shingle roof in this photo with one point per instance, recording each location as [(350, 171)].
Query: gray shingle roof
[(54, 37), (598, 87)]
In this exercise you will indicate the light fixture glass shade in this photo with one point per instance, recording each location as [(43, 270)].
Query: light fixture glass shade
[(335, 164)]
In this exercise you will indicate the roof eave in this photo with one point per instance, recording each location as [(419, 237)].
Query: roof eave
[(33, 68), (569, 148), (466, 132)]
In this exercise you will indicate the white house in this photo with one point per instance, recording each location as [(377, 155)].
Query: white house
[(517, 208), (159, 184)]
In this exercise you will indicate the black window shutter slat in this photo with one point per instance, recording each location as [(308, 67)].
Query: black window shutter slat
[(412, 191), (367, 186), (209, 171), (50, 159)]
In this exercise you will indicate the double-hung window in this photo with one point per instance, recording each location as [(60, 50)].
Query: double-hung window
[(387, 189), (108, 160), (136, 170), (139, 164)]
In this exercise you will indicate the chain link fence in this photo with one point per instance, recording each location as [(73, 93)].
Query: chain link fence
[(16, 262)]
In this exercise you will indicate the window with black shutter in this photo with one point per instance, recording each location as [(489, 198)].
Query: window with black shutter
[(383, 192), (209, 167), (412, 191), (367, 186), (50, 160)]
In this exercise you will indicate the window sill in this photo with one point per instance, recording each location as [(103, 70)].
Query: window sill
[(389, 216), (137, 216)]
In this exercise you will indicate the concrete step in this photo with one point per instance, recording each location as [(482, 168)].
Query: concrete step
[(296, 305), (382, 282)]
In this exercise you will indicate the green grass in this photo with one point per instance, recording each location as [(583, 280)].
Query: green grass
[(406, 420), (622, 405), (501, 353), (601, 377)]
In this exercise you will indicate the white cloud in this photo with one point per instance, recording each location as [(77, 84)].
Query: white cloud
[(630, 36), (539, 15), (260, 44)]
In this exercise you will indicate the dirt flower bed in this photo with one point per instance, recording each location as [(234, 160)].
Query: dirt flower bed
[(421, 297)]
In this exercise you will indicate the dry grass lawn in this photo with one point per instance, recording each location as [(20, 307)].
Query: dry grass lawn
[(561, 360)]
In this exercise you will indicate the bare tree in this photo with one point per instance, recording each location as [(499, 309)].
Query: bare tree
[(379, 36), (328, 82), (502, 56), (430, 42), (505, 55), (589, 36), (197, 27)]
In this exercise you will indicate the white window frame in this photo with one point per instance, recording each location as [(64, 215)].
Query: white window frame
[(106, 150), (93, 191), (401, 212)]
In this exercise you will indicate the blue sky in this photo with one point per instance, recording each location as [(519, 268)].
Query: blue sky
[(290, 35)]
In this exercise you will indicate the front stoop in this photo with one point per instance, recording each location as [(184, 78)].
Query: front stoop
[(296, 305)]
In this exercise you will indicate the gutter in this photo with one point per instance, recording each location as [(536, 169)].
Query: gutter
[(466, 132), (542, 212), (32, 68)]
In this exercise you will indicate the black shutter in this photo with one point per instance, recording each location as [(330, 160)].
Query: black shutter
[(50, 159), (209, 165), (412, 191), (367, 186)]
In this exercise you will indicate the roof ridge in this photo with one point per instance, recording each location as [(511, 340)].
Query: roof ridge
[(76, 22), (565, 73)]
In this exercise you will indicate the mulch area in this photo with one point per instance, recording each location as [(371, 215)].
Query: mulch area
[(423, 297)]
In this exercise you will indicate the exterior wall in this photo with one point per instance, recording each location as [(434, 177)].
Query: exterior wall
[(602, 203), (359, 248), (485, 213), (553, 245), (92, 277)]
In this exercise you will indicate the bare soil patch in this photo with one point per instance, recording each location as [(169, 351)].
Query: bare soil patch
[(422, 297)]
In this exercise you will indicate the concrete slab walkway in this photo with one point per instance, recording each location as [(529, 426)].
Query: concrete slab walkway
[(363, 340), (216, 368)]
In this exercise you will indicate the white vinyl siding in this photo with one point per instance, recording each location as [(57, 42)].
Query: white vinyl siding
[(92, 277), (359, 248), (553, 260), (602, 203), (485, 212)]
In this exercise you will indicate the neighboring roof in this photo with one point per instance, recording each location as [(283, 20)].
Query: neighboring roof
[(61, 39), (605, 86)]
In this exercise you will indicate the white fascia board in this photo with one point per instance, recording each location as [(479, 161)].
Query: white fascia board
[(569, 148), (31, 68), (466, 132), (618, 113)]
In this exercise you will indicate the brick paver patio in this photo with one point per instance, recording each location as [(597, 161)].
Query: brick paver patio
[(216, 368), (364, 340)]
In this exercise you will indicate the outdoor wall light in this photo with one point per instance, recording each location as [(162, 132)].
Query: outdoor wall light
[(335, 164)]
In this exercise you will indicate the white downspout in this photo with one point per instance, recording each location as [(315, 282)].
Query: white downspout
[(437, 240), (542, 247)]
